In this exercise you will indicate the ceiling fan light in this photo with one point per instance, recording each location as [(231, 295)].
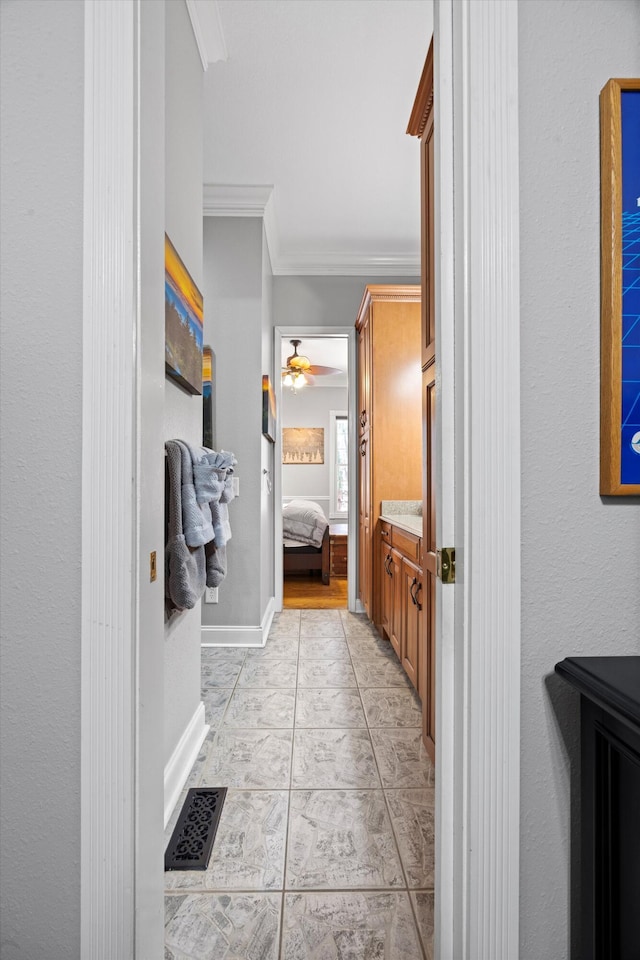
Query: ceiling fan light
[(299, 381), (288, 380)]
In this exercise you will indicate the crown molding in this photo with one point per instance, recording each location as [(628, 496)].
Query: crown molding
[(236, 200), (256, 200), (207, 29), (348, 265)]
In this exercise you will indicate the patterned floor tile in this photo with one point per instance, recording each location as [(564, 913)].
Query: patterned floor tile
[(341, 838), (285, 628), (308, 616), (412, 815), (248, 852), (212, 926), (370, 647), (321, 628), (380, 673), (216, 653), (326, 707), (221, 673), (423, 904), (326, 673), (277, 647), (349, 926), (333, 758), (263, 672), (257, 708), (249, 759), (391, 707), (324, 648), (402, 758), (215, 703)]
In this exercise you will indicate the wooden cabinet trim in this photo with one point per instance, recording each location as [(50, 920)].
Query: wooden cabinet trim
[(423, 103)]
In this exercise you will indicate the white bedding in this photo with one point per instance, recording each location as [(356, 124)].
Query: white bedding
[(304, 521)]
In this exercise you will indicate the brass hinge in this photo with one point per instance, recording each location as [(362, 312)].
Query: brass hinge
[(446, 564)]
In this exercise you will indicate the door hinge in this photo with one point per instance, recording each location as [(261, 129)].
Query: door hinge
[(446, 564)]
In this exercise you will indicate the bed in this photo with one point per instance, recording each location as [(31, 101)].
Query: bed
[(305, 533)]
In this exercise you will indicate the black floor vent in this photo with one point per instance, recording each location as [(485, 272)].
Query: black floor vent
[(194, 833)]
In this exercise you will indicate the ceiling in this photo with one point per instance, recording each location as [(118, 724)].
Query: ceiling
[(307, 115)]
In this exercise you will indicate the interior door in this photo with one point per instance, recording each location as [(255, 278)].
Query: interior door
[(421, 125)]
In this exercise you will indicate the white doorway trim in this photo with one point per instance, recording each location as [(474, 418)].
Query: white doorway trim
[(478, 484), (285, 333), (109, 478)]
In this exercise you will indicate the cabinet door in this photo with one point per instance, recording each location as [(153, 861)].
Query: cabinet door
[(428, 653), (386, 576), (428, 265), (365, 545), (364, 377), (396, 625), (411, 607)]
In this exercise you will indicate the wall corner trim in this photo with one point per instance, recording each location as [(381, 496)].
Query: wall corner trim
[(239, 636), (182, 759), (207, 30)]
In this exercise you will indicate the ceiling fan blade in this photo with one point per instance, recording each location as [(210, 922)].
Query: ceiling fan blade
[(320, 371)]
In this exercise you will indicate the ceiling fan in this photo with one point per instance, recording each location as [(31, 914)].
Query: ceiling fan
[(299, 369)]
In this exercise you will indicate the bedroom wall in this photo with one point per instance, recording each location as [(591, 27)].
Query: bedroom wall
[(580, 552), (182, 411), (310, 407), (41, 98)]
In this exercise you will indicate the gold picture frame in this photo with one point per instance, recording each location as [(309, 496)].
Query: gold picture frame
[(620, 288)]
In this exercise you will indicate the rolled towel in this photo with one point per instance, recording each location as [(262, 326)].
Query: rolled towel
[(216, 564)]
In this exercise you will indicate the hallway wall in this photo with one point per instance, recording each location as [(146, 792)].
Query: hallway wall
[(41, 98), (580, 553), (182, 411)]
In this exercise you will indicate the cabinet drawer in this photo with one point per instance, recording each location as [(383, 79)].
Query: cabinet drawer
[(406, 543), (385, 531)]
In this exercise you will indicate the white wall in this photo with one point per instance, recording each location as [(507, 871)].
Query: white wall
[(322, 301), (41, 91), (267, 578), (580, 553), (310, 407), (233, 316), (182, 412)]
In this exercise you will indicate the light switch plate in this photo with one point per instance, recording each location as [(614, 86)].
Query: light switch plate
[(211, 595)]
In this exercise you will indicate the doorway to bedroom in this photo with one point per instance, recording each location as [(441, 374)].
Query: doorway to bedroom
[(315, 464)]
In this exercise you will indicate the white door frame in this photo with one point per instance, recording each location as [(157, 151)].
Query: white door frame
[(286, 333), (478, 480)]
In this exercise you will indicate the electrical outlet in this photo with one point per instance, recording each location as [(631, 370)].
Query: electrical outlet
[(236, 486), (211, 595)]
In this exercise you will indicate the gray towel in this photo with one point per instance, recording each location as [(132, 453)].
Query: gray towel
[(185, 568), (196, 522)]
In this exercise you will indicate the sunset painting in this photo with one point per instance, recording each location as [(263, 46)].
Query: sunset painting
[(183, 322)]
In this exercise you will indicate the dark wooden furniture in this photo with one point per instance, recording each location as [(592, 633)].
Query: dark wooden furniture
[(610, 803), (338, 549), (305, 558)]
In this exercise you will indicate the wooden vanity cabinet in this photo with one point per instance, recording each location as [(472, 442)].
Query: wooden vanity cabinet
[(389, 420), (401, 601), (411, 579)]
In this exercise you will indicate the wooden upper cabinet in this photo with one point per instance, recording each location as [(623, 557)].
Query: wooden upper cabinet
[(389, 418), (421, 125)]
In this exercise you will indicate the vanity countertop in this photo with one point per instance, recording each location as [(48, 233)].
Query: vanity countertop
[(409, 522)]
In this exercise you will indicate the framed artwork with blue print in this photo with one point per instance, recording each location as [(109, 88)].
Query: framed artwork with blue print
[(620, 288)]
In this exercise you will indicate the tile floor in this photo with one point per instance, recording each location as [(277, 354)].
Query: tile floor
[(325, 845)]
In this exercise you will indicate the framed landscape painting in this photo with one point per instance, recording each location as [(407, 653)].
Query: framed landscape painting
[(183, 322), (268, 409), (620, 288), (302, 445), (207, 398)]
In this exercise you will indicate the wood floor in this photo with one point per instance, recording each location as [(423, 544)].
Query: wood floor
[(309, 593)]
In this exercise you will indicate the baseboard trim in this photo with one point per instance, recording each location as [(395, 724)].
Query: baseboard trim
[(182, 759), (227, 636)]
